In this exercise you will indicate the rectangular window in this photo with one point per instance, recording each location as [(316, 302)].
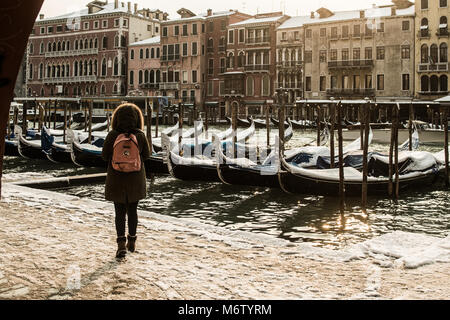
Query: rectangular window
[(405, 82), (356, 30), (125, 22), (194, 76), (345, 54), (405, 25), (380, 27), (308, 56), (368, 83), (308, 84), (105, 24), (380, 53), (194, 29), (185, 49), (222, 88), (333, 82), (356, 82), (424, 4), (406, 52), (60, 28), (356, 54), (344, 31), (322, 83), (323, 56), (176, 30), (368, 53), (308, 34), (149, 27), (380, 82), (210, 88), (211, 66), (231, 36), (442, 3), (164, 32), (323, 32), (42, 30), (116, 22), (185, 77), (86, 26), (185, 30), (284, 36), (203, 28), (345, 83), (210, 26), (96, 24), (49, 29), (296, 35), (242, 35), (333, 55), (194, 48), (334, 32)]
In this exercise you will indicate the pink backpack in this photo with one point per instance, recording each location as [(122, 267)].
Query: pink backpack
[(126, 156)]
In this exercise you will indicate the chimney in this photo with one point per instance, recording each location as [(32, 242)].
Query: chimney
[(209, 12), (129, 7), (362, 14), (312, 14), (393, 11), (41, 16), (116, 4), (135, 8)]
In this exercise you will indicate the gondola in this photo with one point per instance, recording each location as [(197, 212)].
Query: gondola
[(29, 148), (294, 179), (11, 146), (56, 151), (157, 145), (84, 154)]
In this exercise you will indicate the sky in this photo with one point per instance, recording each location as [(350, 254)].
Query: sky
[(290, 7)]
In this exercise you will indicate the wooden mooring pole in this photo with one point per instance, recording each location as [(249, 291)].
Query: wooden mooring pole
[(65, 123), (24, 118), (391, 153), (410, 127), (281, 119), (365, 155), (148, 109), (234, 107), (319, 114), (341, 159), (332, 123), (397, 178), (54, 115), (180, 127), (157, 119), (447, 183), (91, 107), (268, 125)]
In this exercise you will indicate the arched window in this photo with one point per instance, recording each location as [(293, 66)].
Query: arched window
[(158, 76), (241, 59), (230, 60), (152, 76), (132, 54), (31, 48), (434, 53), (95, 46), (75, 69), (152, 53), (76, 45), (424, 84), (63, 71), (266, 86), (30, 74), (63, 46), (157, 53), (80, 45), (266, 58), (91, 43), (131, 77), (123, 67), (49, 47), (29, 92), (90, 68), (115, 88), (95, 67), (140, 77), (59, 46), (104, 70), (443, 52), (67, 70), (105, 43), (146, 76), (68, 45), (103, 89), (116, 66), (41, 71), (54, 46), (116, 41), (434, 83), (250, 86), (42, 92), (123, 41), (424, 54), (141, 54), (443, 28), (147, 53), (86, 43), (443, 83), (122, 89)]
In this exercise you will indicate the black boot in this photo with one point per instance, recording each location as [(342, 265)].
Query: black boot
[(121, 247), (131, 245)]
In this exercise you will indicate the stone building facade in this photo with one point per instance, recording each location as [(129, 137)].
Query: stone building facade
[(432, 42), (85, 53), (349, 54)]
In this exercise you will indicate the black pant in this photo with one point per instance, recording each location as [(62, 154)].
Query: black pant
[(122, 210)]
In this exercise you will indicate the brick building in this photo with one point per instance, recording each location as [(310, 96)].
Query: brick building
[(251, 67), (85, 53)]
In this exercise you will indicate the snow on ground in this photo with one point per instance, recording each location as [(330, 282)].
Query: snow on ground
[(65, 247)]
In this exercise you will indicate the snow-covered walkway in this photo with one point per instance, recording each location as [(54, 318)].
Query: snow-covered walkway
[(54, 246)]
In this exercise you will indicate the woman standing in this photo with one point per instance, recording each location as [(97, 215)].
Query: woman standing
[(125, 189)]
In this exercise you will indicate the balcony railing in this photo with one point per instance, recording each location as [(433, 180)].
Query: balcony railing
[(188, 99), (351, 92), (170, 57), (350, 64), (233, 91), (210, 49), (257, 67), (70, 53), (70, 79), (149, 85), (222, 48), (289, 85), (428, 67), (425, 33), (289, 64), (169, 86), (257, 40), (442, 32)]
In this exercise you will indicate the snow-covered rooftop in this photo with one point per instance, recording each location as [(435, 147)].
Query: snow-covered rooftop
[(375, 12), (204, 16), (256, 20), (149, 41)]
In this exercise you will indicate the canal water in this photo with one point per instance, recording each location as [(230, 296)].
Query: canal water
[(297, 218)]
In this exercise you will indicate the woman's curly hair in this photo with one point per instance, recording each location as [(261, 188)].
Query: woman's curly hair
[(127, 117)]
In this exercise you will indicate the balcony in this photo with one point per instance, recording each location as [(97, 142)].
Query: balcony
[(290, 64), (289, 85), (71, 53), (210, 49), (222, 48), (257, 67), (170, 57), (443, 32), (344, 64), (149, 85), (436, 67), (70, 79), (334, 37), (338, 92), (190, 100), (169, 86), (356, 35), (424, 34), (257, 40), (233, 91)]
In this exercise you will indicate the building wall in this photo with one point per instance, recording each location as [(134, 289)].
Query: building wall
[(146, 65), (432, 36)]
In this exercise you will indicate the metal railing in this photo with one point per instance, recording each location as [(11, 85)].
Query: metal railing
[(70, 79), (428, 67), (169, 86), (351, 92), (257, 40), (257, 67), (289, 64), (170, 57), (69, 53), (350, 63)]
